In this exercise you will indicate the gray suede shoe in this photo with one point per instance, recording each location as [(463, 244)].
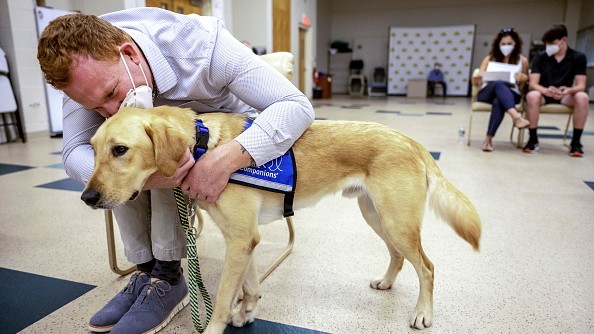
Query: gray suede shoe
[(157, 304), (110, 314)]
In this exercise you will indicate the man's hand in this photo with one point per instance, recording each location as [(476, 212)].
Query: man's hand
[(158, 180), (554, 92), (565, 90), (210, 174)]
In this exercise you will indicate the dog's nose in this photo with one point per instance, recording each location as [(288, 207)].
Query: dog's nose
[(91, 197)]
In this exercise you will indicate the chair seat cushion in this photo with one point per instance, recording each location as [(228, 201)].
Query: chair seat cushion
[(554, 108), (484, 106), (481, 106)]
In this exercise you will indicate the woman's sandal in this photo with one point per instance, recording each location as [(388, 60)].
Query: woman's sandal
[(523, 123), (487, 146)]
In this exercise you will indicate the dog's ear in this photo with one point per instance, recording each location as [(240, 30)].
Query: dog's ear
[(168, 144)]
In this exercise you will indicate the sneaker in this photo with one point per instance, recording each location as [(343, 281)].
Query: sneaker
[(157, 304), (531, 148), (576, 151), (111, 313)]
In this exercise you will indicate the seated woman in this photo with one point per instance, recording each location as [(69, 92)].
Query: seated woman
[(503, 95)]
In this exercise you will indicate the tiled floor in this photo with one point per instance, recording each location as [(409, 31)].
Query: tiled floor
[(534, 272)]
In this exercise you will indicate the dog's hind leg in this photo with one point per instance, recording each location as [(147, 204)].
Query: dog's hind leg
[(396, 259), (251, 296), (401, 215)]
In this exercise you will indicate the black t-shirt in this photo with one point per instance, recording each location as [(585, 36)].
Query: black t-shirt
[(559, 74)]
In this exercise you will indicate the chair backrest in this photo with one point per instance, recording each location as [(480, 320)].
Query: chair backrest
[(281, 61), (379, 75), (3, 62), (7, 100), (475, 88)]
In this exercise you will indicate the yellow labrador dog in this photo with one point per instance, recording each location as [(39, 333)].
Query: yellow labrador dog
[(391, 175)]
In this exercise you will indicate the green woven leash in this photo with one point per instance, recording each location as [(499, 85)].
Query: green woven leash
[(186, 214)]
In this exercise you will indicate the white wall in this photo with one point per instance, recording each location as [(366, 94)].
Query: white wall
[(250, 22), (93, 6), (353, 20)]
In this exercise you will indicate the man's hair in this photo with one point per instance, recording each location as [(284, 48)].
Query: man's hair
[(76, 35), (558, 31)]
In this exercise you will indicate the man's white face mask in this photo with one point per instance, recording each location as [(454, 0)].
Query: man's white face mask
[(506, 49), (139, 97), (551, 49)]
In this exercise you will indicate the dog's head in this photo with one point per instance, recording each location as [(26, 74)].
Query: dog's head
[(129, 147)]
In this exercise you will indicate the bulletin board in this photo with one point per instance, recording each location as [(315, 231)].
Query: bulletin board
[(413, 51)]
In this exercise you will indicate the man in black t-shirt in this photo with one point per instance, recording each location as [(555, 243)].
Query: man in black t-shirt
[(558, 75)]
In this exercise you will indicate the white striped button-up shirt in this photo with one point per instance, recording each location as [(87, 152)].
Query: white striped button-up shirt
[(196, 63)]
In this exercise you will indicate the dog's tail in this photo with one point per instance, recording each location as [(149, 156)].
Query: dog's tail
[(451, 205)]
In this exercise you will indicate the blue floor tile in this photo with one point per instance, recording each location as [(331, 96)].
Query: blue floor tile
[(8, 168), (65, 184), (269, 327), (590, 184), (26, 298), (388, 111), (552, 136), (57, 166), (410, 114), (435, 155), (548, 127), (439, 113)]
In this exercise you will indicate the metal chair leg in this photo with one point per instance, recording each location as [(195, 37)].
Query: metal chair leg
[(111, 251), (469, 128), (284, 254), (566, 131)]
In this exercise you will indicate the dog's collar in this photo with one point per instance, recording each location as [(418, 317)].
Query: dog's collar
[(201, 145)]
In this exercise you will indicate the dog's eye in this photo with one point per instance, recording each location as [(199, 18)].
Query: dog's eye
[(119, 150)]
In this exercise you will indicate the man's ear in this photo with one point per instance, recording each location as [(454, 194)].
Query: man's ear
[(168, 144), (128, 50)]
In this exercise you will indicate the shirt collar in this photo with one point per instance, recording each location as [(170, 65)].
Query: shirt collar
[(162, 72)]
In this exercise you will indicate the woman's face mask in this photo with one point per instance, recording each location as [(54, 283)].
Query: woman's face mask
[(139, 97), (506, 49)]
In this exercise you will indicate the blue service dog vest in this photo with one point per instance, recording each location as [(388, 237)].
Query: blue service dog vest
[(278, 175)]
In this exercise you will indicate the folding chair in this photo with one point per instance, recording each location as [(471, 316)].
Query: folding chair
[(550, 109), (10, 118), (476, 106)]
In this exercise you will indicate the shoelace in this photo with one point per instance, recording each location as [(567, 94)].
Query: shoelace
[(159, 287), (130, 287)]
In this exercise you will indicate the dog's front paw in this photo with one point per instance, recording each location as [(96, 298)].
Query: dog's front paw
[(421, 320), (242, 318), (381, 284)]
